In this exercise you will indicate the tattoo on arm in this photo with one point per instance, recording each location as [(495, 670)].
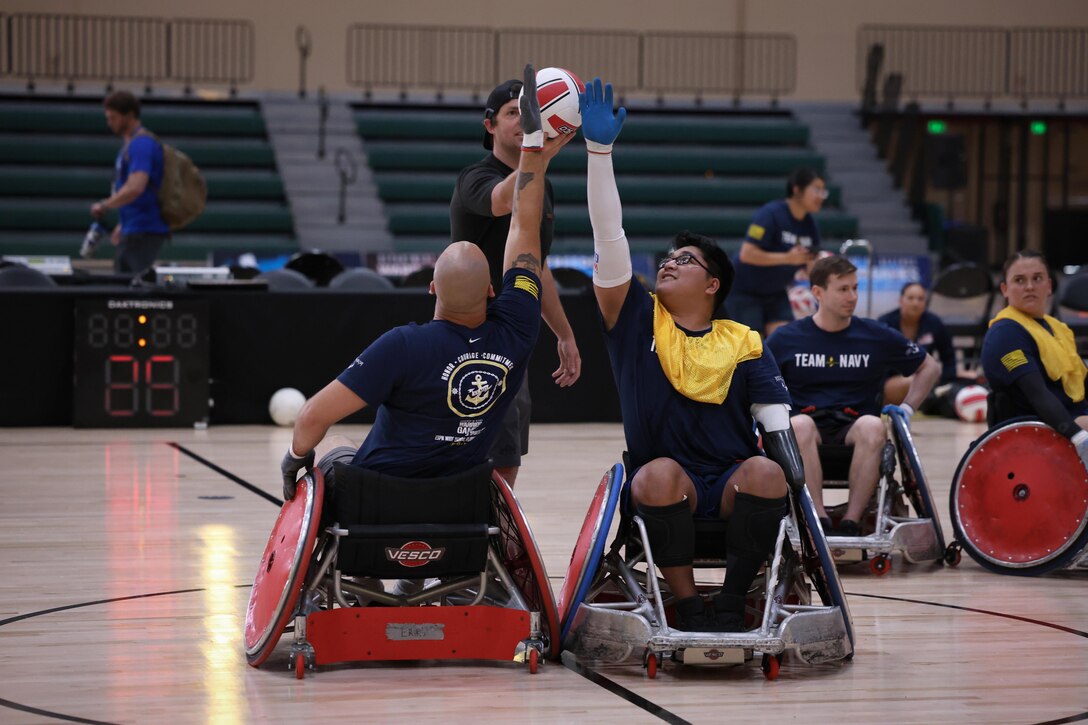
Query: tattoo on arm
[(529, 262), (524, 179)]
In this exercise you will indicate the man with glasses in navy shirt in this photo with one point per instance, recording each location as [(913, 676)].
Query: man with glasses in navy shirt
[(689, 386)]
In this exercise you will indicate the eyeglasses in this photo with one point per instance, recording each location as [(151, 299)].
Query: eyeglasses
[(820, 193), (681, 259)]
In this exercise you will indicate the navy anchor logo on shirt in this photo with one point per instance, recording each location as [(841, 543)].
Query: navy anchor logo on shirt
[(478, 391)]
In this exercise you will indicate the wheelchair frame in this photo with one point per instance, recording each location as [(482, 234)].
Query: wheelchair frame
[(1017, 479), (615, 611), (510, 600), (918, 538)]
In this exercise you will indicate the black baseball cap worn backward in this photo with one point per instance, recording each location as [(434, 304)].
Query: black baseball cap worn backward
[(504, 93)]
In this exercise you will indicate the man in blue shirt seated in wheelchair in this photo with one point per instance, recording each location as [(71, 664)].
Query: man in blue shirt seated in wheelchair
[(688, 387), (1030, 358), (835, 365), (443, 387)]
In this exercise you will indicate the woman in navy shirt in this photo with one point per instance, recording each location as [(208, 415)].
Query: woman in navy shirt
[(923, 327), (781, 239), (1030, 358)]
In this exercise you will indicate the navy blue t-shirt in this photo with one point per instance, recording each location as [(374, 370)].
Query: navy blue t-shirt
[(142, 214), (845, 369), (1008, 353), (774, 229), (442, 389), (932, 337), (704, 438)]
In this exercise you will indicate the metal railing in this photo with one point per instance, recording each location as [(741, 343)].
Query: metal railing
[(1048, 62), (70, 48), (410, 57), (972, 62), (211, 51)]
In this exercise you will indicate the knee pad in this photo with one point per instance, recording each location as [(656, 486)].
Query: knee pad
[(753, 525), (671, 531)]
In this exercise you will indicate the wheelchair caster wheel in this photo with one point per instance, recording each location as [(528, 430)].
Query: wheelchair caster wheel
[(649, 661), (881, 565), (300, 666), (953, 554), (771, 665), (534, 660)]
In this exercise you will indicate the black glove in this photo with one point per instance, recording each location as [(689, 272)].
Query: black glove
[(290, 468), (532, 138)]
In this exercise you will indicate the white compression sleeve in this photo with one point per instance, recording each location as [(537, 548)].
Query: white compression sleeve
[(612, 255), (772, 416)]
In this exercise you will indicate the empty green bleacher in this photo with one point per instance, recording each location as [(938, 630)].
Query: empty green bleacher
[(704, 172), (57, 156)]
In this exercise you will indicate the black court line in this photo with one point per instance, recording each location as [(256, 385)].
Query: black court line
[(1029, 620), (41, 612), (227, 474), (572, 663), (1061, 628)]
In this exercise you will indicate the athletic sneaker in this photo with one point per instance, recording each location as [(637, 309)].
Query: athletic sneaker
[(729, 613), (847, 527), (825, 524), (692, 616)]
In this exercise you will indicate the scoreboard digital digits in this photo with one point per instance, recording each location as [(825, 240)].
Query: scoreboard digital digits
[(140, 363)]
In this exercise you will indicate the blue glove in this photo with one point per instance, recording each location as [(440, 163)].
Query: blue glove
[(599, 125), (903, 409)]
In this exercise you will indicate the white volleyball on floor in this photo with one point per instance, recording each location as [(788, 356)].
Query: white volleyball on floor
[(285, 405), (971, 403)]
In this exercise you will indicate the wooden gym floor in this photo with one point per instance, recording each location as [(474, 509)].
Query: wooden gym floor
[(127, 566)]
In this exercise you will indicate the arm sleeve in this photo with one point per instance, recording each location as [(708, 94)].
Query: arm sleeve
[(475, 186), (518, 305), (1049, 408), (612, 254)]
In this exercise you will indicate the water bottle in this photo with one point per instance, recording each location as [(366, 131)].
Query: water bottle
[(94, 234)]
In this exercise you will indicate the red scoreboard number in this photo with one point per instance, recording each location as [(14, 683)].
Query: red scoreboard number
[(140, 362)]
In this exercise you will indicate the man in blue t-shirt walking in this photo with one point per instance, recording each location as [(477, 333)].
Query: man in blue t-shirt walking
[(443, 388), (137, 176), (835, 365)]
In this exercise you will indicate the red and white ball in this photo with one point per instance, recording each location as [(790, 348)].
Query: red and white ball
[(971, 404), (557, 91)]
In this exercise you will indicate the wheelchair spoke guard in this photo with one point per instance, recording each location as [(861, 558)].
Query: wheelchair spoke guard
[(282, 570), (589, 549)]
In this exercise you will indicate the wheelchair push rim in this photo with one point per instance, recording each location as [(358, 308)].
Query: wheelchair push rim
[(282, 570), (1019, 499)]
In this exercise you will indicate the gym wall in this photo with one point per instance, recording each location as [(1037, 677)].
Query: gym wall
[(826, 30)]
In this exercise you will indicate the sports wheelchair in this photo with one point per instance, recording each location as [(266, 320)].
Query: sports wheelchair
[(1019, 500), (615, 608), (888, 526), (481, 589)]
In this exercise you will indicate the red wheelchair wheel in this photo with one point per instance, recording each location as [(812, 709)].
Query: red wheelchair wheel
[(1019, 501), (282, 570), (519, 553)]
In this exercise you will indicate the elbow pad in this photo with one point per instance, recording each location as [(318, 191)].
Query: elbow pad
[(781, 447)]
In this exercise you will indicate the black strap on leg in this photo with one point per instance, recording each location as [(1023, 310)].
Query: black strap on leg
[(671, 531), (750, 538)]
